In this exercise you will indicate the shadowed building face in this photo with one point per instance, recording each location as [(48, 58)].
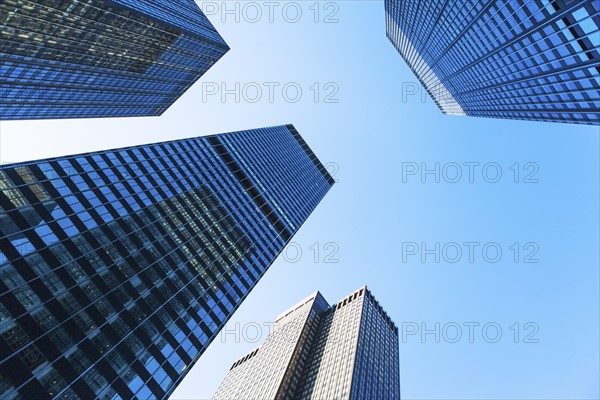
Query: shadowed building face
[(119, 267), (101, 58)]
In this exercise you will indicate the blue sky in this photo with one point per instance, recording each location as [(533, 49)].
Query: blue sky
[(370, 136)]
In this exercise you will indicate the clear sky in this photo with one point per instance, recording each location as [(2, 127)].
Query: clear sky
[(381, 211)]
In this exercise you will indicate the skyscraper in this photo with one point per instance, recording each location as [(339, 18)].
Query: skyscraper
[(347, 351), (101, 58), (119, 267), (530, 60)]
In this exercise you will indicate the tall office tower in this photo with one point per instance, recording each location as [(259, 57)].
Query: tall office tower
[(347, 351), (101, 58), (517, 59), (119, 267)]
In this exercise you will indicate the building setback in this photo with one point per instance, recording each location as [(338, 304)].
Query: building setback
[(101, 58), (530, 60), (347, 351), (119, 267)]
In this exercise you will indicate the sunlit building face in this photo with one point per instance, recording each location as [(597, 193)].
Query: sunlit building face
[(346, 351), (531, 60)]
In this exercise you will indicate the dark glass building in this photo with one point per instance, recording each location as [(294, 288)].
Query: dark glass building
[(101, 58), (531, 60), (347, 351), (119, 267)]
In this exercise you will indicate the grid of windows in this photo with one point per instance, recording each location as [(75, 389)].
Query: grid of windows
[(531, 60), (376, 362), (342, 352), (275, 363), (330, 370), (101, 58), (119, 267)]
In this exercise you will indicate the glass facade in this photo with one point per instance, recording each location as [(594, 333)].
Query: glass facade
[(530, 60), (101, 58), (347, 351), (119, 267)]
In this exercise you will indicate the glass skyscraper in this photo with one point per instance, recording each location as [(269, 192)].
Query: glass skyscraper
[(516, 59), (347, 351), (101, 58), (119, 267)]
